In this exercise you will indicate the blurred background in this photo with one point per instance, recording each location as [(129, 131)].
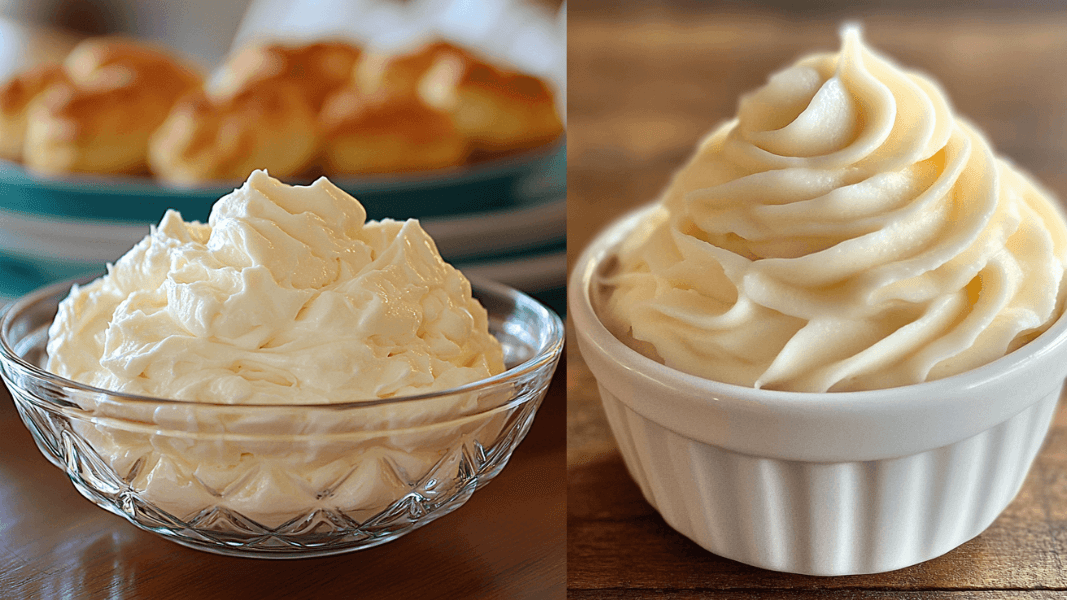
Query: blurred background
[(647, 81), (504, 220), (526, 33)]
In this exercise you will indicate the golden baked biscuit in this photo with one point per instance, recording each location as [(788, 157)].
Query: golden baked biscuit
[(399, 74), (119, 92), (120, 61), (16, 96), (497, 109), (387, 134), (85, 130), (316, 69), (211, 138)]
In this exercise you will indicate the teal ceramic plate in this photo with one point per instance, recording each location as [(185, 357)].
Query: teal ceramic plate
[(494, 184), (503, 214)]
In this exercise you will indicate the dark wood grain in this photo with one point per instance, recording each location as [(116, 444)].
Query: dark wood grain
[(507, 542), (645, 84)]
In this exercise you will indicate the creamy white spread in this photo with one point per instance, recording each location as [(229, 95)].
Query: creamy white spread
[(286, 297), (845, 232)]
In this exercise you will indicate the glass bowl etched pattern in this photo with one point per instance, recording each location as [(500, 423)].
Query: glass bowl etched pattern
[(286, 481)]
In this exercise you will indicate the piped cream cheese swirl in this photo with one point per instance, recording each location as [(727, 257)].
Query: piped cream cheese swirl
[(288, 295), (845, 232)]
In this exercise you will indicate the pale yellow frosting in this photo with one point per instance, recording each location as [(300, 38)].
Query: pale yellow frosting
[(286, 296), (846, 231)]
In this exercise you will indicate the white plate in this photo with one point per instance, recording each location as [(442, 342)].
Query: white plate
[(530, 274), (500, 231), (51, 247), (487, 233)]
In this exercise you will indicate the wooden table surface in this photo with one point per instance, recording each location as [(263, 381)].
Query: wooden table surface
[(644, 86), (506, 542)]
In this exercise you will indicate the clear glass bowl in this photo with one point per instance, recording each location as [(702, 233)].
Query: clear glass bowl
[(282, 481)]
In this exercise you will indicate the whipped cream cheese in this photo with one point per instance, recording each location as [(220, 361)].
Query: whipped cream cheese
[(286, 296), (288, 299), (846, 231)]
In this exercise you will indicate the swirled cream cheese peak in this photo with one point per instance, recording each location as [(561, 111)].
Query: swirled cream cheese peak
[(286, 296), (845, 232)]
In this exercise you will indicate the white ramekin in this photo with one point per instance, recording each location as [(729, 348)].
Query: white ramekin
[(821, 484)]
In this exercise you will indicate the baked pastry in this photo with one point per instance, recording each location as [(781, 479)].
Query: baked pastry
[(317, 70), (119, 61), (119, 92), (85, 130), (207, 137), (496, 109), (386, 134), (16, 96), (272, 106), (399, 74)]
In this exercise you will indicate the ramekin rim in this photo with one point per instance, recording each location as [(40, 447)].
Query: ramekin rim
[(546, 354)]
